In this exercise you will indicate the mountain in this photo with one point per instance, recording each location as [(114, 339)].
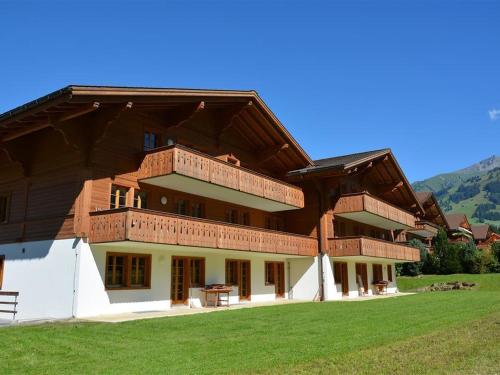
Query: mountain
[(474, 191)]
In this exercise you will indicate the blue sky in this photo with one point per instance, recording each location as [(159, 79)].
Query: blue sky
[(344, 76)]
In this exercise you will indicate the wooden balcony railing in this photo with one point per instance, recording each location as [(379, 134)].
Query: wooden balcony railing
[(130, 224), (425, 229), (372, 247), (179, 159), (359, 202)]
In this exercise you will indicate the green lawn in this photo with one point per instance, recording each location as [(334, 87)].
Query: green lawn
[(440, 332)]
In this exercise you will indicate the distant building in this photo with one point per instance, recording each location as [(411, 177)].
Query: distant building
[(484, 236), (459, 228)]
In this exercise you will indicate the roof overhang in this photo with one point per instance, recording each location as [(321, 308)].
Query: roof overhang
[(358, 166), (73, 101)]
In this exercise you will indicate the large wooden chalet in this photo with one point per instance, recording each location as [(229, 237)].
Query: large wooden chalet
[(120, 199)]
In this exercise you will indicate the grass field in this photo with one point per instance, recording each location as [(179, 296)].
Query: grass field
[(440, 332)]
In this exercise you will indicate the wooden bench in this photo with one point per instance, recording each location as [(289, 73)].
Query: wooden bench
[(13, 304)]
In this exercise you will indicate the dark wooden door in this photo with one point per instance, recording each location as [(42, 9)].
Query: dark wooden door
[(244, 281), (280, 279), (362, 275), (179, 280), (341, 276)]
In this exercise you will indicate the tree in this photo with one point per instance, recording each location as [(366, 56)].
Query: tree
[(472, 259), (415, 268)]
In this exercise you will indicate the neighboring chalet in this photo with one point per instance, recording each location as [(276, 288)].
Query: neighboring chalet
[(484, 237), (118, 200), (459, 228), (434, 218), (365, 205)]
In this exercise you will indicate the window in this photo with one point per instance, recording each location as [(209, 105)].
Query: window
[(140, 199), (377, 272), (2, 261), (232, 215), (197, 272), (198, 210), (245, 218), (151, 140), (389, 272), (231, 272), (181, 207), (4, 208), (279, 224), (118, 197), (270, 274), (128, 271), (115, 271), (268, 223), (337, 272)]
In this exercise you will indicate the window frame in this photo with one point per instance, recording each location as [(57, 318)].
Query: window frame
[(8, 198), (127, 269), (200, 284), (187, 207), (380, 269), (143, 201), (266, 273), (158, 136), (201, 206), (118, 188), (231, 212), (236, 271)]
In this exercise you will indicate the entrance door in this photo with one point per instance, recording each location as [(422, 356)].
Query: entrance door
[(275, 275), (341, 276), (244, 280), (280, 279), (180, 280), (362, 275)]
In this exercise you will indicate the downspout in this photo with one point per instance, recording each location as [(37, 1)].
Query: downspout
[(321, 275)]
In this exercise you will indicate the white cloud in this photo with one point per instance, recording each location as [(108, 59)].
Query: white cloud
[(494, 114)]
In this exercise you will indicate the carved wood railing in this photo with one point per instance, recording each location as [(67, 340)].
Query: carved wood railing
[(164, 228), (191, 163), (372, 247), (365, 202), (427, 226)]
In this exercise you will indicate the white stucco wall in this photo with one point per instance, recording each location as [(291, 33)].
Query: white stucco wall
[(304, 278), (93, 299), (43, 274), (334, 291)]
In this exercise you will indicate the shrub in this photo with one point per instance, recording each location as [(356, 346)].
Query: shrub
[(472, 259), (414, 268)]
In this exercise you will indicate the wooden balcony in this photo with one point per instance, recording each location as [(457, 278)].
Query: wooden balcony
[(425, 229), (367, 209), (373, 248), (130, 224), (179, 168)]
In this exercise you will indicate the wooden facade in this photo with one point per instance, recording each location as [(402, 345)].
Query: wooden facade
[(62, 156)]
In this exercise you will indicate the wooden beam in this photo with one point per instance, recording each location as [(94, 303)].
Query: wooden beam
[(52, 122), (182, 114), (115, 114), (390, 188), (226, 117), (268, 153)]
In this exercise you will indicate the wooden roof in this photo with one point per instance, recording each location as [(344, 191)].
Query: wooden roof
[(457, 220), (433, 211), (381, 164), (261, 126), (480, 231)]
